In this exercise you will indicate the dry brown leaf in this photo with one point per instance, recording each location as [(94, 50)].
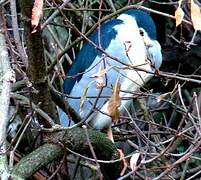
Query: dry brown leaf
[(133, 161), (37, 12), (83, 98), (195, 16), (99, 78), (162, 97), (179, 15), (115, 102), (100, 82)]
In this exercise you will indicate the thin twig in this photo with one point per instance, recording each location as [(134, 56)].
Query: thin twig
[(93, 153), (16, 33)]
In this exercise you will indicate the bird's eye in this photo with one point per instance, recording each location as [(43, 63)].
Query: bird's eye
[(141, 32)]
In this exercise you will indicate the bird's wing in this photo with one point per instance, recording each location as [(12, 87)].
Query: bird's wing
[(89, 53)]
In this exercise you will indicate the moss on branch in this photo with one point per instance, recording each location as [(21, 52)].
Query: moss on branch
[(74, 139)]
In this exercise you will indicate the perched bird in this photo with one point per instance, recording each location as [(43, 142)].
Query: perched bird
[(131, 53)]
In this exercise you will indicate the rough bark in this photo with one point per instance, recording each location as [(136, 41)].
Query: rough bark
[(37, 72)]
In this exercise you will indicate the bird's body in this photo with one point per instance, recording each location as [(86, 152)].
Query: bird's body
[(119, 38)]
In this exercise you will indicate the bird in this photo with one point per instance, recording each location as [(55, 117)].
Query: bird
[(128, 53)]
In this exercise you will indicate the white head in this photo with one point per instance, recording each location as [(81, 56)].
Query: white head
[(153, 49)]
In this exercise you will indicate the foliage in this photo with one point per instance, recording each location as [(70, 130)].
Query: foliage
[(160, 133)]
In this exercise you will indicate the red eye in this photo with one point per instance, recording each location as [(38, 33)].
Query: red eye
[(141, 32)]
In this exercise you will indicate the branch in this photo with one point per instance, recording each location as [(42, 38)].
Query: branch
[(8, 77), (75, 140), (37, 66), (16, 33)]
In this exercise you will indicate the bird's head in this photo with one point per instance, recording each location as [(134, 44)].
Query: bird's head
[(144, 21), (153, 49), (147, 30)]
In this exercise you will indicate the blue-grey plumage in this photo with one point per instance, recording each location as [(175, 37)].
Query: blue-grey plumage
[(120, 38)]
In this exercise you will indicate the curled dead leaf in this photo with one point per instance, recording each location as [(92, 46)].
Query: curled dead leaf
[(37, 12), (162, 97), (133, 161), (83, 98), (195, 16), (179, 15), (115, 102), (100, 78)]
